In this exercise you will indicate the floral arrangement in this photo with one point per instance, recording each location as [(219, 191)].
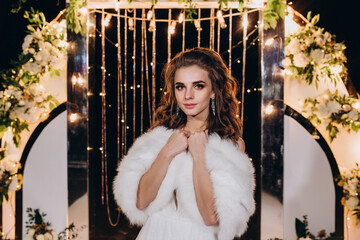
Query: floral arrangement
[(333, 110), (9, 178), (23, 100), (38, 229), (312, 54), (349, 181), (303, 233)]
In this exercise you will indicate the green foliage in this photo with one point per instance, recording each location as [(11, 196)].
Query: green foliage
[(75, 20), (274, 9), (302, 231), (335, 111), (16, 5), (36, 222)]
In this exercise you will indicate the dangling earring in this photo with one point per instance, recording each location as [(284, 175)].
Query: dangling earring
[(213, 105), (177, 110)]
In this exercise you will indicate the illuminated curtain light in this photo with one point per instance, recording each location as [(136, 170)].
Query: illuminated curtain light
[(107, 20), (181, 17), (149, 14), (221, 19), (269, 109)]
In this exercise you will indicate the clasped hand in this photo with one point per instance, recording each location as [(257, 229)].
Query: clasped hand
[(182, 140)]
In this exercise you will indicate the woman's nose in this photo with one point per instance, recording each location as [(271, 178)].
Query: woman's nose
[(189, 94)]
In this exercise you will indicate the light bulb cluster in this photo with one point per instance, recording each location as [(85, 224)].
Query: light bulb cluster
[(107, 20), (221, 19), (77, 79)]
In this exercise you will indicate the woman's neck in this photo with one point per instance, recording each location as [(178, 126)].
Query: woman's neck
[(195, 125)]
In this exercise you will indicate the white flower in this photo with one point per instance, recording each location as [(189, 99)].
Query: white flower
[(43, 57), (14, 183), (10, 163), (31, 50), (21, 103), (323, 111), (40, 237), (319, 40), (317, 55), (27, 41), (353, 115), (7, 106), (327, 57), (334, 106), (293, 47), (352, 203), (31, 232), (28, 238), (308, 41), (327, 36), (48, 236), (300, 60), (286, 62), (32, 67)]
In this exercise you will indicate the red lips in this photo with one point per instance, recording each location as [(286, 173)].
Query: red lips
[(190, 106)]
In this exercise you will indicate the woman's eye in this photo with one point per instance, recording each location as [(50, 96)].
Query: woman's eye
[(179, 87), (199, 86)]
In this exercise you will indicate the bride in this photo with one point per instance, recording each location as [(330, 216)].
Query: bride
[(188, 176)]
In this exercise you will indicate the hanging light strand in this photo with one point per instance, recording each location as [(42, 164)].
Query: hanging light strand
[(245, 37), (170, 27), (143, 33), (153, 69), (125, 82), (230, 38), (103, 109), (134, 74)]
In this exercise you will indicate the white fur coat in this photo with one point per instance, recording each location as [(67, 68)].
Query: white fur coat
[(231, 172)]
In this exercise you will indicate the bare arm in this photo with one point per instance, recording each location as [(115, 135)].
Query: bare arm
[(202, 183), (151, 181)]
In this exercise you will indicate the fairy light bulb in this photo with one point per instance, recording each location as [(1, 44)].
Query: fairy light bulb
[(149, 14), (269, 109), (245, 21), (181, 17), (131, 24), (221, 19), (152, 26), (73, 117), (197, 25), (269, 41), (74, 80), (107, 20), (117, 6), (172, 27)]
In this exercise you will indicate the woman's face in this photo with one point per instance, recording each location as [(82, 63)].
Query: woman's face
[(193, 91)]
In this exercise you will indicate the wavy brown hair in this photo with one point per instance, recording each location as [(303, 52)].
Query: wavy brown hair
[(226, 122)]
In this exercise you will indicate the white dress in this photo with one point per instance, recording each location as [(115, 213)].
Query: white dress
[(168, 224), (231, 173)]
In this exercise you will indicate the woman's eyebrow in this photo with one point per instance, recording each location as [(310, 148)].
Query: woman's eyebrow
[(194, 83), (199, 81)]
